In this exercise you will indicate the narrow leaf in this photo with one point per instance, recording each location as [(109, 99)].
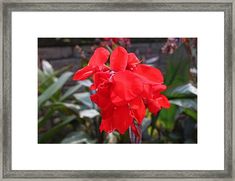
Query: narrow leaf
[(70, 91), (77, 137), (191, 113), (84, 98), (183, 91), (54, 88), (47, 68), (185, 103), (53, 131), (89, 113)]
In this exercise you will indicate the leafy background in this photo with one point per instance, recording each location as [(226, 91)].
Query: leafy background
[(66, 114)]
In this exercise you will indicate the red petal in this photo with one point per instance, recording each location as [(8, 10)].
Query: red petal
[(100, 77), (102, 97), (83, 73), (127, 85), (153, 106), (94, 98), (149, 74), (107, 110), (105, 90), (147, 91), (116, 100), (152, 91), (99, 57), (138, 109), (132, 60), (107, 124), (118, 59), (92, 87), (116, 118), (158, 88), (122, 118), (100, 100), (163, 101)]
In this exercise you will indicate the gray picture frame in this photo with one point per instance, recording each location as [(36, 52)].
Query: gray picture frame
[(7, 7)]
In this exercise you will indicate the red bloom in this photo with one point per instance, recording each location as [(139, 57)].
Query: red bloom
[(124, 90)]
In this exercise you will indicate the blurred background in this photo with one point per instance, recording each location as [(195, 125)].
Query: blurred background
[(66, 114)]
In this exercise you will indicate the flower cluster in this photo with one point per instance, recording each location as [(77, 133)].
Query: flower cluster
[(124, 89)]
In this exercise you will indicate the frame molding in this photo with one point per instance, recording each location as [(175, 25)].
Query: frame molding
[(140, 5)]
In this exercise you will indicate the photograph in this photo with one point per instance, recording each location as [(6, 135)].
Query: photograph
[(117, 90), (111, 90)]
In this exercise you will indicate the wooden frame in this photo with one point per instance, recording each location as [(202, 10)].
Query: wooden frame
[(8, 7)]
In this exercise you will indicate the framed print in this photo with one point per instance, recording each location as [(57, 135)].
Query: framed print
[(117, 90)]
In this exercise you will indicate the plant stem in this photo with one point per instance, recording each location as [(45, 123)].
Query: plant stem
[(133, 137)]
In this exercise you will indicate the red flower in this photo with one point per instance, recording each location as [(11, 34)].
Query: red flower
[(123, 90)]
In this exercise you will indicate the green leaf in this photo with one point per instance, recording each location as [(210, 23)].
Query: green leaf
[(54, 88), (58, 105), (53, 131), (177, 70), (68, 108), (151, 60), (84, 98), (167, 117), (183, 91), (86, 83), (70, 91), (41, 76), (89, 113), (47, 68), (191, 113), (185, 103), (46, 80), (76, 138), (61, 70), (43, 120)]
